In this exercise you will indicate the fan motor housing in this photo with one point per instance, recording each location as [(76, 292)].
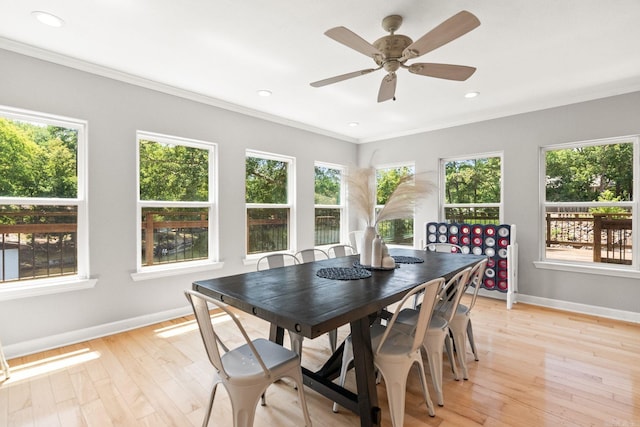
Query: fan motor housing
[(392, 46)]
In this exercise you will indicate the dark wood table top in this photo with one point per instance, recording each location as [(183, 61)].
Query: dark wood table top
[(295, 298)]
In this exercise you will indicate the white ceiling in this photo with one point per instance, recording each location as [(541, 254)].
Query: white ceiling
[(529, 55)]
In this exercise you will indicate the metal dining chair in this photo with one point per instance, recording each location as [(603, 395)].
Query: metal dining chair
[(396, 350), (438, 332), (311, 255), (341, 250), (276, 261), (460, 324), (247, 370), (4, 366)]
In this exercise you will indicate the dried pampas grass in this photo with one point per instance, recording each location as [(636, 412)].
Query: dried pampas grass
[(361, 194), (401, 203)]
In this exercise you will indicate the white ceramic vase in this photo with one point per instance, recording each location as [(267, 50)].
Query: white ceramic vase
[(366, 246)]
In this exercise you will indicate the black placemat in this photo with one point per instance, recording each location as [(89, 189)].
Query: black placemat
[(407, 259), (343, 273)]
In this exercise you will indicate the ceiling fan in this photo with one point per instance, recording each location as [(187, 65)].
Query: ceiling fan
[(393, 51)]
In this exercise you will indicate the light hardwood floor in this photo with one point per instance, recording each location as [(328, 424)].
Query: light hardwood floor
[(538, 367)]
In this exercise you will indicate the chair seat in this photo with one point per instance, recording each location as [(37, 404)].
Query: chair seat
[(462, 309), (241, 364), (397, 343)]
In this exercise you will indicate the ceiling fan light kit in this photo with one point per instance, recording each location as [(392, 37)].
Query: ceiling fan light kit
[(391, 52)]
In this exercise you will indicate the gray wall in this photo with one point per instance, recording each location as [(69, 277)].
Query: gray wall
[(114, 111), (519, 138)]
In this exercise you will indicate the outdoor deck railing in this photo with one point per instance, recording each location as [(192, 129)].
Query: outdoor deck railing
[(45, 245)]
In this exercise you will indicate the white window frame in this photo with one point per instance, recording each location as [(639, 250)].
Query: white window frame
[(291, 197), (81, 280), (377, 207), (633, 270), (342, 206), (443, 183), (171, 269)]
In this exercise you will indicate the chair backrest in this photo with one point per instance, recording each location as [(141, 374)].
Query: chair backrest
[(475, 279), (429, 296), (276, 260), (450, 294), (212, 342), (444, 247), (340, 251), (355, 239), (310, 255)]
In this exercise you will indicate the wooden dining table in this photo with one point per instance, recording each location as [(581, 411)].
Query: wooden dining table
[(296, 298)]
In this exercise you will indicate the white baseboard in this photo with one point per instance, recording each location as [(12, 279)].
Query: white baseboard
[(610, 313), (80, 335), (72, 337)]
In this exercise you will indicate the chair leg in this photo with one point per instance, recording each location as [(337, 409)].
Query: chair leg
[(471, 340), (207, 415), (433, 347), (244, 401), (303, 402), (347, 357), (296, 343), (395, 379), (333, 340), (425, 389), (460, 344), (4, 366), (449, 343)]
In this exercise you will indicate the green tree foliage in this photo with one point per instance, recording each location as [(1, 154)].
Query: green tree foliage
[(473, 181), (266, 181), (592, 173), (397, 231), (387, 180), (37, 160), (327, 186), (173, 172)]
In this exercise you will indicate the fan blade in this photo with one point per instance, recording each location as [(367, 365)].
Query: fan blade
[(442, 71), (342, 77), (352, 40), (387, 87), (454, 27)]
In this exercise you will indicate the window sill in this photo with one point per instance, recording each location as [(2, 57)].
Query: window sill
[(174, 270), (27, 289), (588, 269)]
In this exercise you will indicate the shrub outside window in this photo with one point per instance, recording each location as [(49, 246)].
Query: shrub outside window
[(176, 201), (268, 196), (395, 231), (472, 190), (329, 207), (43, 211), (589, 202)]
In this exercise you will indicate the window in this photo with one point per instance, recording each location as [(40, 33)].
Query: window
[(589, 201), (396, 231), (329, 207), (472, 190), (176, 203), (268, 196), (43, 211)]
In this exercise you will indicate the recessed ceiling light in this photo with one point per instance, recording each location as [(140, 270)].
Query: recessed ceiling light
[(471, 94), (354, 124), (48, 18), (264, 92)]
